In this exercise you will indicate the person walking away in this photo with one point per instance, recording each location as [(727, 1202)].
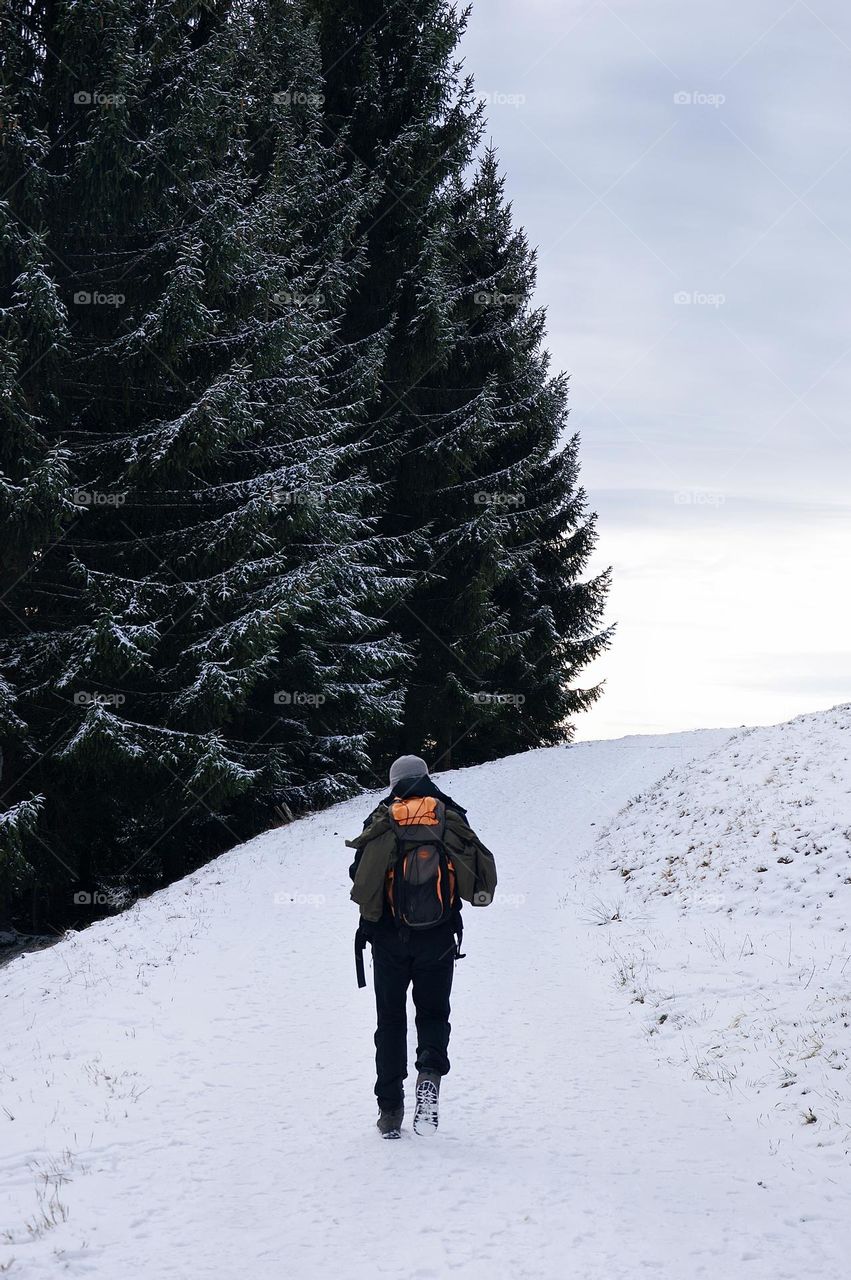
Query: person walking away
[(416, 859)]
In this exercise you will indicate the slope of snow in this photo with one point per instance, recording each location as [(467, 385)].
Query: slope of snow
[(186, 1089), (732, 881)]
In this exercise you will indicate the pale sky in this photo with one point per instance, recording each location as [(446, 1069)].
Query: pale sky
[(657, 152)]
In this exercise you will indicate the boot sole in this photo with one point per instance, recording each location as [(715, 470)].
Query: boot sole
[(426, 1117)]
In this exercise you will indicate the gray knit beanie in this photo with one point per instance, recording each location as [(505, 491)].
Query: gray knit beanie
[(407, 767)]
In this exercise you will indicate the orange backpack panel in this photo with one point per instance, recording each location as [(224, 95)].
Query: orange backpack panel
[(419, 811)]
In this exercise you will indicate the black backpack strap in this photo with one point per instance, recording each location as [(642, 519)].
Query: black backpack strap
[(458, 931), (360, 943)]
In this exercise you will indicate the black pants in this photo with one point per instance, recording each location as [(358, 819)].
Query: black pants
[(426, 961)]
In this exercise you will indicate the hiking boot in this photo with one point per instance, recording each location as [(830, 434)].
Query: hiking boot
[(425, 1114), (390, 1121)]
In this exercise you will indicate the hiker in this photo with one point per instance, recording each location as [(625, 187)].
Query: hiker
[(416, 859)]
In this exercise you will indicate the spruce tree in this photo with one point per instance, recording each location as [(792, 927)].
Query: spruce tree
[(510, 623), (278, 425), (34, 475), (208, 641), (465, 429)]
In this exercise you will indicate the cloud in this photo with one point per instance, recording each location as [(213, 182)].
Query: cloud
[(825, 675), (716, 444), (687, 510)]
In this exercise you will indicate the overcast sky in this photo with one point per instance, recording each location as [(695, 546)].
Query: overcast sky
[(686, 173)]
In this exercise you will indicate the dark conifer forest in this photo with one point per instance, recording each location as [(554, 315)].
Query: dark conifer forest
[(286, 481)]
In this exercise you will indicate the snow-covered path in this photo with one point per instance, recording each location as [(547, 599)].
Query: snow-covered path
[(185, 1091)]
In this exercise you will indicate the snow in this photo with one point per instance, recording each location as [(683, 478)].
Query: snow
[(186, 1089), (733, 940)]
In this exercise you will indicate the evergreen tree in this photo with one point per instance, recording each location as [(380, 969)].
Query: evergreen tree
[(278, 431), (464, 431), (34, 331), (506, 623), (207, 641)]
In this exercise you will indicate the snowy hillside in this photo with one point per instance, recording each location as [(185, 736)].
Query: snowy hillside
[(186, 1089), (732, 881), (761, 826)]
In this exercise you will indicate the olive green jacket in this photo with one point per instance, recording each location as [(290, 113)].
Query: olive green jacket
[(475, 869)]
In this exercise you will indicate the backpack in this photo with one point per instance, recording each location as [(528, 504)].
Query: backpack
[(420, 884)]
